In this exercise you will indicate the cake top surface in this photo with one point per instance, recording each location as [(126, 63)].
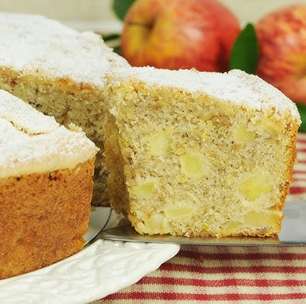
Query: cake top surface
[(31, 142), (235, 86), (34, 43)]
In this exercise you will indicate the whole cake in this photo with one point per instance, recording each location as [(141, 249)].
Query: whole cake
[(59, 71), (45, 188), (199, 154)]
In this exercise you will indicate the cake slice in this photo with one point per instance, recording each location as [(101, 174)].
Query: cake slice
[(61, 72), (45, 188), (199, 154)]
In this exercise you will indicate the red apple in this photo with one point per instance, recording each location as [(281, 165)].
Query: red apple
[(282, 38), (177, 34)]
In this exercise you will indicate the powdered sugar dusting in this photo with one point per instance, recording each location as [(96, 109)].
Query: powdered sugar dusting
[(23, 116), (31, 142), (36, 44), (235, 86)]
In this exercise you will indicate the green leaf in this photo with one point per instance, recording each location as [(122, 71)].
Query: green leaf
[(302, 110), (121, 7), (245, 52), (117, 50), (110, 37)]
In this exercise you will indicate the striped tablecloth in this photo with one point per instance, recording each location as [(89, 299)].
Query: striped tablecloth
[(229, 274)]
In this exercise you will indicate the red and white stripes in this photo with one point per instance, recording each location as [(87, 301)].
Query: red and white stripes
[(224, 275), (298, 187)]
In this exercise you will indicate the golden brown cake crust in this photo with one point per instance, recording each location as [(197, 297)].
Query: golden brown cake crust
[(43, 217), (293, 129)]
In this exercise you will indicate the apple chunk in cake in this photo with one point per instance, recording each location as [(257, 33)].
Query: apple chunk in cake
[(200, 154)]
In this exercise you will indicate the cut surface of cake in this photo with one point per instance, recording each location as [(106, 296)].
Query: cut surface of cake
[(199, 154), (45, 188), (59, 71)]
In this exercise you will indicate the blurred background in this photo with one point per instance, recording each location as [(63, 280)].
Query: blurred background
[(98, 15)]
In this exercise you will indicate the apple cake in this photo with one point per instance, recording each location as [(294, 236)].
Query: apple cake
[(45, 188), (59, 71), (199, 154)]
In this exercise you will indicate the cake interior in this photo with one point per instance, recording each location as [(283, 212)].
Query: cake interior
[(69, 102), (191, 165), (43, 217)]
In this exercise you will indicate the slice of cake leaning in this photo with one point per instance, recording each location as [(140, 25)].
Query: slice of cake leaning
[(199, 154), (45, 188), (59, 71)]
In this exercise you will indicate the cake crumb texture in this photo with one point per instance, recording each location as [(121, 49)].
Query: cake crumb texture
[(200, 162), (234, 86)]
